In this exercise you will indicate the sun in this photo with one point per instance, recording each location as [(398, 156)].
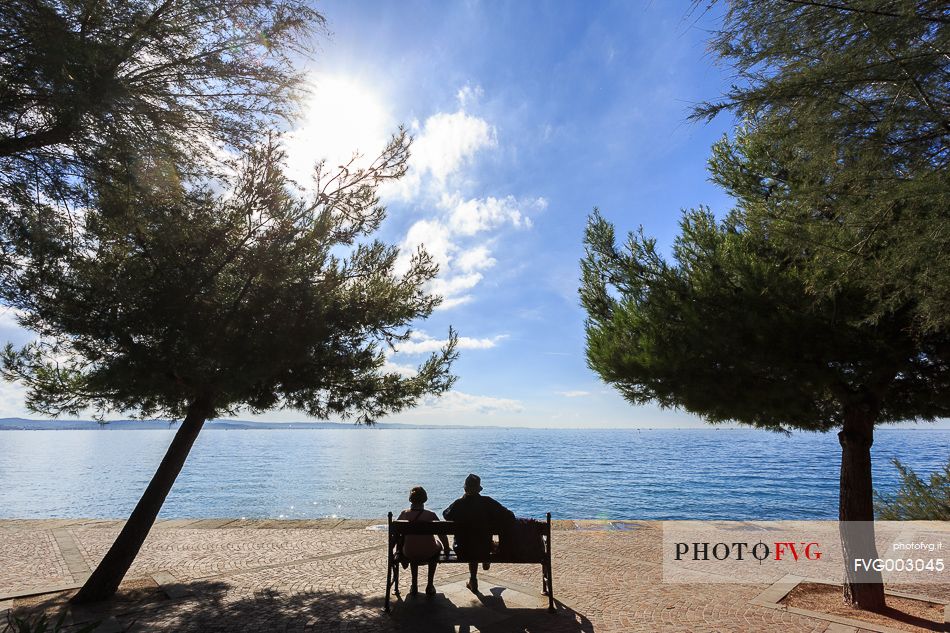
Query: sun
[(342, 116)]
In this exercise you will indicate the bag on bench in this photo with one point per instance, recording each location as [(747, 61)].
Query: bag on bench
[(522, 542)]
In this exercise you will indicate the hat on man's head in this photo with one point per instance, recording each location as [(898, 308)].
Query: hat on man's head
[(473, 483)]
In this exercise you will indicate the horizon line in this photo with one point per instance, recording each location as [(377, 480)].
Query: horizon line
[(278, 425)]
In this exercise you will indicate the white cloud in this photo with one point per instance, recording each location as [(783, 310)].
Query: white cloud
[(463, 219), (459, 402), (344, 115), (451, 286), (406, 371), (478, 258), (434, 237), (445, 145), (453, 302), (468, 217), (447, 141), (421, 343), (442, 146), (469, 94), (574, 394)]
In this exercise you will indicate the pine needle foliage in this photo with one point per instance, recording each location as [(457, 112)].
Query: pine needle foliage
[(256, 297), (916, 499), (850, 102)]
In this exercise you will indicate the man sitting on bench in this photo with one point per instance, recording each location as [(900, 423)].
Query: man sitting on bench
[(481, 517)]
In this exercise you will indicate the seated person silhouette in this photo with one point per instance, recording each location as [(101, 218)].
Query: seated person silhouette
[(481, 516), (421, 548)]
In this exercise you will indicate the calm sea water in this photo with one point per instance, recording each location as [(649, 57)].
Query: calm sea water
[(364, 472)]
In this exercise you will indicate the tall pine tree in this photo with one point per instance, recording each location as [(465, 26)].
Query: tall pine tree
[(822, 301), (192, 302)]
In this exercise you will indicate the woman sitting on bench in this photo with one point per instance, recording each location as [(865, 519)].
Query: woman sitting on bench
[(421, 548)]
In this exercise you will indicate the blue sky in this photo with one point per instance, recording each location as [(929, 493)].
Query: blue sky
[(525, 116)]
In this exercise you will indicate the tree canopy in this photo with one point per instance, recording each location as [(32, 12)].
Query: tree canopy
[(730, 331), (851, 102), (243, 299), (181, 77)]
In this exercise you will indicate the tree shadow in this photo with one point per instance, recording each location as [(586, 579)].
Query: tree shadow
[(898, 615), (485, 612), (212, 606)]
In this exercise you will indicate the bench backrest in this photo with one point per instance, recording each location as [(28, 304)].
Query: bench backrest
[(401, 528), (527, 542), (426, 527)]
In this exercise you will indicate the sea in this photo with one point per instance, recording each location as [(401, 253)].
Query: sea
[(364, 472)]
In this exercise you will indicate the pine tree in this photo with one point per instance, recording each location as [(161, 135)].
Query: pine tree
[(731, 330), (196, 301)]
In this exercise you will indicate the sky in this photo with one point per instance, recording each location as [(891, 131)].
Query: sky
[(525, 116)]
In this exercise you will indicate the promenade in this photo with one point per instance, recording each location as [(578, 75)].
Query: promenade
[(329, 576)]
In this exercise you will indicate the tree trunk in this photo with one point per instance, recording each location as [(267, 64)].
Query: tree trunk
[(863, 589), (104, 581)]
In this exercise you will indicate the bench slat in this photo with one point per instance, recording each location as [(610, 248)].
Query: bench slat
[(454, 558), (436, 528)]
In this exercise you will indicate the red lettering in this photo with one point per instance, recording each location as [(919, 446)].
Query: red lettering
[(780, 547)]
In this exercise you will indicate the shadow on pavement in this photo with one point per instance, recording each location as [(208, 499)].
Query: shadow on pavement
[(216, 606), (498, 610)]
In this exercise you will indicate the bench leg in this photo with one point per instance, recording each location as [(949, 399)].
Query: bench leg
[(550, 583), (389, 584), (396, 578)]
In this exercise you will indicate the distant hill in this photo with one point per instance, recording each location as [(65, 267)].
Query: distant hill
[(24, 424)]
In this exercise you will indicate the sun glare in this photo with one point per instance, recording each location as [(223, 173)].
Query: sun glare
[(343, 116)]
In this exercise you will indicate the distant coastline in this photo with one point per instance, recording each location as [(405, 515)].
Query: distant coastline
[(26, 424)]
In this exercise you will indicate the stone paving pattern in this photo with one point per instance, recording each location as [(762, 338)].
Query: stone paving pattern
[(322, 576)]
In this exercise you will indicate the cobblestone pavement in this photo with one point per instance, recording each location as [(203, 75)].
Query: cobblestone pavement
[(329, 576)]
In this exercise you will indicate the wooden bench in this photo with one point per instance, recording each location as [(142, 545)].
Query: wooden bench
[(399, 529)]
